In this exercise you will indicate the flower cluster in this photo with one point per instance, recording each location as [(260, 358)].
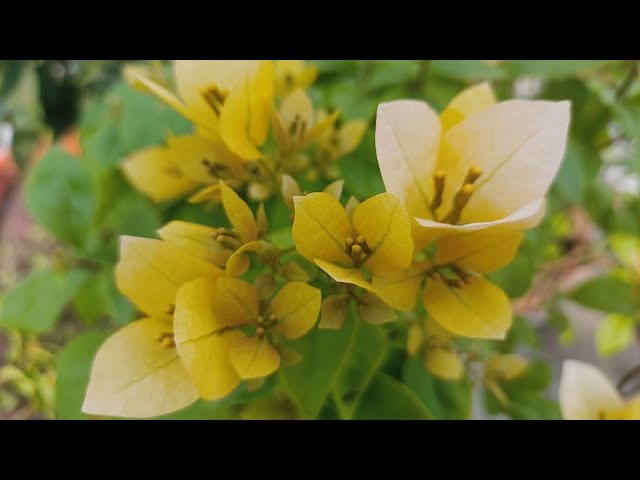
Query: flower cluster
[(461, 187)]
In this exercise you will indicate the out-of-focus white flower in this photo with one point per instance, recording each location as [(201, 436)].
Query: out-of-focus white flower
[(528, 86)]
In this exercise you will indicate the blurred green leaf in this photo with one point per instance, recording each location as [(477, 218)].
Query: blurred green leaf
[(467, 70), (615, 333), (73, 367), (446, 400), (60, 195), (36, 302), (392, 72), (388, 399), (98, 297), (367, 352), (606, 293), (339, 361), (360, 170), (553, 68)]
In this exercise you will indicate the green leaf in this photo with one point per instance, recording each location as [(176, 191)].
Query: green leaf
[(98, 297), (467, 70), (570, 182), (388, 399), (615, 333), (311, 380), (60, 196), (520, 333), (360, 170), (37, 301), (606, 293), (553, 68), (392, 72), (368, 346), (73, 367), (339, 362), (446, 400)]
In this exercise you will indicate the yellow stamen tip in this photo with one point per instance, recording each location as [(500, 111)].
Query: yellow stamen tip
[(260, 319), (272, 317), (167, 342), (356, 250), (475, 171), (349, 241), (260, 331), (220, 238), (439, 175), (360, 240), (467, 189)]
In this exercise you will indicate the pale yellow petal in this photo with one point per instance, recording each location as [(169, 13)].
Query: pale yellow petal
[(477, 310), (261, 93), (163, 94), (444, 363), (134, 375), (505, 367), (239, 262), (471, 100), (384, 224), (203, 339), (399, 289), (296, 307), (334, 310), (351, 206), (585, 393), (407, 143), (239, 214), (528, 216), (254, 357), (350, 135), (198, 240), (154, 172), (204, 160), (320, 227), (335, 188), (296, 108), (374, 310), (631, 410), (344, 275), (290, 189), (235, 121), (518, 145), (479, 251), (150, 272), (210, 193), (236, 301)]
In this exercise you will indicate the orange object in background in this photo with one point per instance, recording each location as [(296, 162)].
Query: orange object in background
[(70, 142), (8, 167)]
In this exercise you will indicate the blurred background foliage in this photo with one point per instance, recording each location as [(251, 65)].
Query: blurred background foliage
[(74, 121)]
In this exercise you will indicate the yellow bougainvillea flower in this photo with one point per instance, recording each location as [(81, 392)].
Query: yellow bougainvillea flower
[(440, 356), (585, 393), (295, 124), (340, 140), (227, 99), (293, 74), (225, 333), (137, 371), (377, 238), (180, 167), (472, 179), (480, 166), (503, 368)]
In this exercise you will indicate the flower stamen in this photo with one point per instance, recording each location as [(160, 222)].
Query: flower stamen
[(459, 202)]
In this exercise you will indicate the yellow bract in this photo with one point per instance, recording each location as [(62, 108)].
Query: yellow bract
[(198, 240), (155, 172), (239, 214), (150, 272), (134, 375), (227, 99), (211, 319), (339, 141), (477, 309), (293, 74), (585, 393), (379, 238), (440, 357)]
